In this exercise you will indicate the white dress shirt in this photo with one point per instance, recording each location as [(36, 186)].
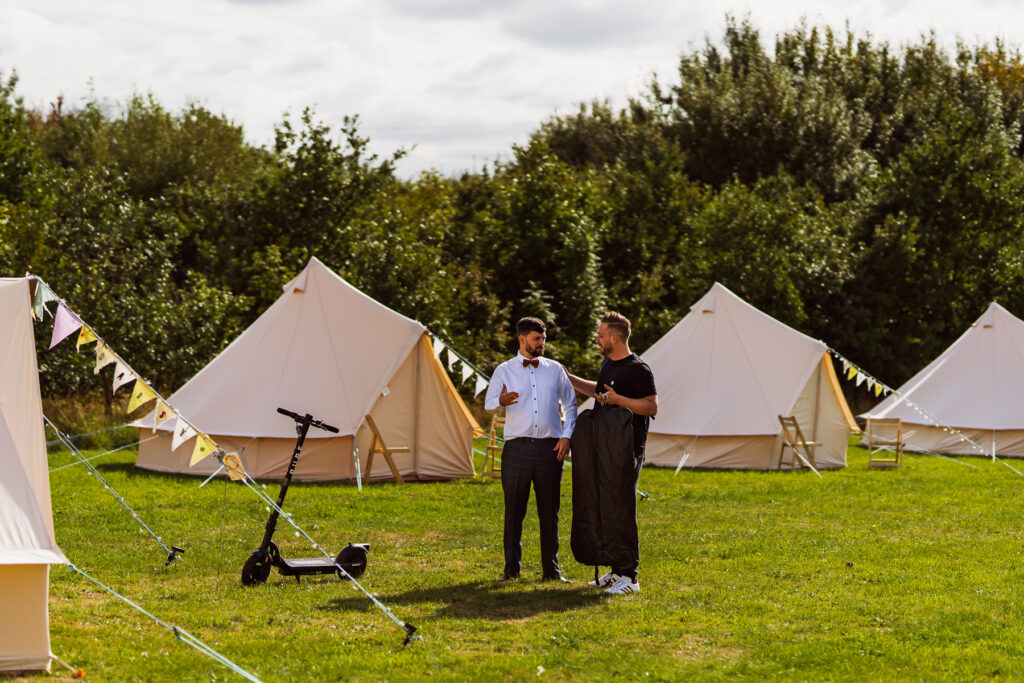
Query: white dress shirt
[(541, 391)]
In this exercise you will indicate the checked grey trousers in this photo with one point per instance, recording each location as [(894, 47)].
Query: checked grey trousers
[(526, 461)]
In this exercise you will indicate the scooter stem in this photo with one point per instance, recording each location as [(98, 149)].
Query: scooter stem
[(300, 427)]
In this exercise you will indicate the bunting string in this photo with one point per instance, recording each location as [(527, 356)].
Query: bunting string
[(172, 552), (179, 633), (468, 371), (67, 322), (853, 371)]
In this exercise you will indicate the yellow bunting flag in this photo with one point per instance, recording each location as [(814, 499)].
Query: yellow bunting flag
[(104, 357), (204, 447), (233, 464), (141, 394), (86, 336), (878, 389), (851, 372), (162, 414)]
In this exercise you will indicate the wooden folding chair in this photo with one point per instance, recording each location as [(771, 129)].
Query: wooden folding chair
[(491, 468), (793, 439), (885, 444), (377, 445)]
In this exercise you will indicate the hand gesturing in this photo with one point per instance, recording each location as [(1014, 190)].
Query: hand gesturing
[(507, 398)]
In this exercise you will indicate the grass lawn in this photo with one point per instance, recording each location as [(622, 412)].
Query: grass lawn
[(905, 574)]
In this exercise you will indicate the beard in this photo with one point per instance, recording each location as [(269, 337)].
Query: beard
[(535, 351), (605, 349)]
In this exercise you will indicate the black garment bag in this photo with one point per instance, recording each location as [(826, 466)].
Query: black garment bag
[(604, 529)]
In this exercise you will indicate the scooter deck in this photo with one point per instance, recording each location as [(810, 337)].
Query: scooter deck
[(307, 565)]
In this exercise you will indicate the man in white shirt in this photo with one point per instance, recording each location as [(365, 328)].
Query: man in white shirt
[(531, 389)]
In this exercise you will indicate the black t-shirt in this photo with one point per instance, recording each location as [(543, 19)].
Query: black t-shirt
[(632, 378)]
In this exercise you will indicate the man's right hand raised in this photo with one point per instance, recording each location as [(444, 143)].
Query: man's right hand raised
[(507, 398)]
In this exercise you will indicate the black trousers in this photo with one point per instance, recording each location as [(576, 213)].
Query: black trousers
[(631, 570), (526, 461)]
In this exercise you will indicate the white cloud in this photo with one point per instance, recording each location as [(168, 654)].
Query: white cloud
[(459, 79)]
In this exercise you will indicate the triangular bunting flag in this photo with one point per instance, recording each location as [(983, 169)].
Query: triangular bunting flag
[(851, 372), (37, 301), (871, 384), (44, 295), (878, 389), (162, 414), (65, 322), (86, 336), (104, 357), (122, 375), (860, 378), (183, 431), (438, 347), (204, 447), (450, 360), (466, 372), (846, 365), (481, 384), (141, 395)]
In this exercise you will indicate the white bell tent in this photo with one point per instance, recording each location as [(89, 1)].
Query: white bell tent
[(327, 349), (974, 386), (27, 543), (725, 373)]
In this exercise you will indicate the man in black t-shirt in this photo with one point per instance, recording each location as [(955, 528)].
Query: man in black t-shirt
[(624, 380)]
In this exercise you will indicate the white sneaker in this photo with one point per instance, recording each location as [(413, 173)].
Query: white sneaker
[(605, 581), (623, 585)]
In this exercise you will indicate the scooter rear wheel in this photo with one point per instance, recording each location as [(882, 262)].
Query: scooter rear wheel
[(256, 569), (353, 559)]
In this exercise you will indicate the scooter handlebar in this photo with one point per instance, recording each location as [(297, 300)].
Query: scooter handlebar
[(313, 423)]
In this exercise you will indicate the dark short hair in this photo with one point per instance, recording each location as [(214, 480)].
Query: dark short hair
[(617, 323), (527, 325)]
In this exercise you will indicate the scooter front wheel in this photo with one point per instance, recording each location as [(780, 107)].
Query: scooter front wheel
[(353, 559), (256, 569)]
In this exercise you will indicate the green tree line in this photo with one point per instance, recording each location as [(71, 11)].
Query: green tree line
[(869, 195)]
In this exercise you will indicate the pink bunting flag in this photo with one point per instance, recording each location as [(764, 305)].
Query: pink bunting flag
[(65, 323)]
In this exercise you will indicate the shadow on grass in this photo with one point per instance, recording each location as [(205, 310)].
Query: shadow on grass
[(486, 599)]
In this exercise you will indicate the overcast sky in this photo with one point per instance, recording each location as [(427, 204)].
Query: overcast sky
[(459, 81)]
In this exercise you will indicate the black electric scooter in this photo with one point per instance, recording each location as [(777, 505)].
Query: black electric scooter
[(257, 568)]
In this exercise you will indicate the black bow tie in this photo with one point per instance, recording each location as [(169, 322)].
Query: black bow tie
[(535, 362)]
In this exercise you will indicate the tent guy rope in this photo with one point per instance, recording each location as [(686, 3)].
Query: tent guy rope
[(120, 447), (172, 552), (408, 628), (179, 633)]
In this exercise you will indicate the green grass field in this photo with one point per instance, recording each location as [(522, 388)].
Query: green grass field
[(905, 574)]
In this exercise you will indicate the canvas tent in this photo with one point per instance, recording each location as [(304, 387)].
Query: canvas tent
[(327, 349), (27, 543), (725, 373), (975, 386)]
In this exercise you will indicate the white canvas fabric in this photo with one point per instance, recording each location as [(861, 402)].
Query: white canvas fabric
[(27, 542), (974, 385), (327, 349), (725, 373)]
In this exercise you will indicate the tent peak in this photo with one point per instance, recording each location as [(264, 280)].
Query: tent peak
[(988, 318), (706, 304)]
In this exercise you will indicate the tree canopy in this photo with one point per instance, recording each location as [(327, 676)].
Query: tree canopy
[(867, 194)]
